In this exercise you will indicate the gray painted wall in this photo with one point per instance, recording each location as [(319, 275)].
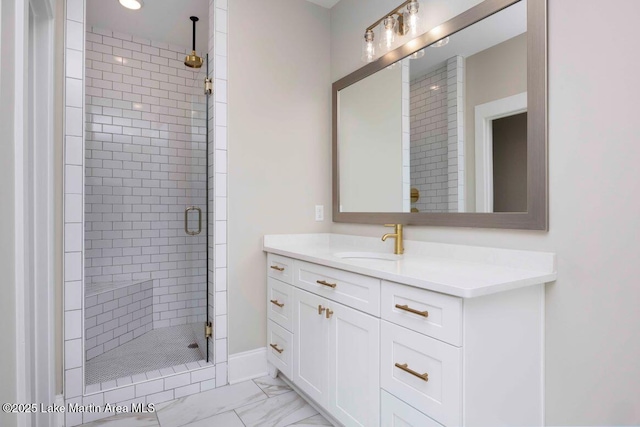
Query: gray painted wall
[(279, 144)]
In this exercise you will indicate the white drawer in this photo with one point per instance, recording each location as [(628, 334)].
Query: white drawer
[(440, 395), (351, 289), (280, 348), (396, 413), (280, 268), (440, 316), (280, 303)]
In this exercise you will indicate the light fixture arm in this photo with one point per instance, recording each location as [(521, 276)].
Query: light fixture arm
[(395, 11)]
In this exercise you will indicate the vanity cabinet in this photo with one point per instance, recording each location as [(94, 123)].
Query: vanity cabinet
[(373, 352), (335, 349), (336, 358)]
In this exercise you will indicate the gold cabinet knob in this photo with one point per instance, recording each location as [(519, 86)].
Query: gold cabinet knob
[(329, 313), (321, 309)]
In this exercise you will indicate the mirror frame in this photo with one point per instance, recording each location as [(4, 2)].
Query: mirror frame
[(536, 217)]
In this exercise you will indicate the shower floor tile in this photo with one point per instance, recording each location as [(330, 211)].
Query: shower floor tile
[(156, 350)]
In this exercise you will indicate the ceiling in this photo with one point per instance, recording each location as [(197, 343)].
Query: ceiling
[(482, 35), (325, 3), (159, 20)]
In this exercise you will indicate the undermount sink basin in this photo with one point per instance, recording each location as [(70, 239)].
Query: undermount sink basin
[(371, 256)]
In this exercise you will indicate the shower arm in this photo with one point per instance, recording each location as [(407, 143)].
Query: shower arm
[(194, 33)]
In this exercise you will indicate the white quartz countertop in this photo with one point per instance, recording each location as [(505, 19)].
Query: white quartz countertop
[(458, 270)]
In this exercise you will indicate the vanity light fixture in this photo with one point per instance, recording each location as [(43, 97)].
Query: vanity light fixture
[(132, 4), (397, 23)]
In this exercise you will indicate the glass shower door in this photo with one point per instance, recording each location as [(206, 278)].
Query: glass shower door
[(146, 227)]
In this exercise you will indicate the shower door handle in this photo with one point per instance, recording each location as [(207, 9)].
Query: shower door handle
[(186, 220)]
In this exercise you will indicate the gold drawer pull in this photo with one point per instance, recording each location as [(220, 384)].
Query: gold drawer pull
[(405, 367), (275, 347), (275, 302), (275, 267), (321, 309), (325, 283), (412, 310)]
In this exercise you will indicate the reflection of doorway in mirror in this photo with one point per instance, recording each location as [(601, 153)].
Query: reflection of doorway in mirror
[(510, 163), (511, 194)]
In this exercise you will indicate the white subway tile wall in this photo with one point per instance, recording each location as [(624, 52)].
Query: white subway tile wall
[(218, 18), (437, 132), (429, 168), (135, 390), (144, 165)]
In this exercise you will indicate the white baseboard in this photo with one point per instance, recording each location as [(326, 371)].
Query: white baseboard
[(247, 365), (59, 417)]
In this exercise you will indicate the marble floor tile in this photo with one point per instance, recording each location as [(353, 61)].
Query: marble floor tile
[(272, 386), (278, 411), (187, 410), (126, 420), (316, 420), (227, 419)]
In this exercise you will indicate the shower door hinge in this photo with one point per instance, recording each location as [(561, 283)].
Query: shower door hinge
[(208, 330), (208, 86)]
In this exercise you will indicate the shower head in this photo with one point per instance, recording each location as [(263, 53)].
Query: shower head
[(193, 60)]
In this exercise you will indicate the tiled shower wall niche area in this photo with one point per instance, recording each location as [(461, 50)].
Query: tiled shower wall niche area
[(116, 316), (437, 145), (145, 164)]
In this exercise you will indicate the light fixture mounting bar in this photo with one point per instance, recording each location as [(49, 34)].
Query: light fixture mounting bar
[(393, 12)]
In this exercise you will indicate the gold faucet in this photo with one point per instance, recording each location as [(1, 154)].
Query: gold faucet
[(399, 246)]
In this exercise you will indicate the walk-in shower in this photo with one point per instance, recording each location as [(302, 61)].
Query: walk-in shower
[(146, 241)]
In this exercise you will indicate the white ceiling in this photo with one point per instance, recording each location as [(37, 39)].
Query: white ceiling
[(325, 3), (159, 20), (482, 35)]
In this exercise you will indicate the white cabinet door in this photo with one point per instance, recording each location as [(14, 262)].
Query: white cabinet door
[(310, 331), (354, 361)]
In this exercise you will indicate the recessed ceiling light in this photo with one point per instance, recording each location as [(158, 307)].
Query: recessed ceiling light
[(131, 4)]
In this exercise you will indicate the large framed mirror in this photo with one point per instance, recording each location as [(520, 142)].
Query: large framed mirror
[(449, 129)]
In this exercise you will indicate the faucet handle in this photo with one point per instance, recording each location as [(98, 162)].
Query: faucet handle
[(398, 227)]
